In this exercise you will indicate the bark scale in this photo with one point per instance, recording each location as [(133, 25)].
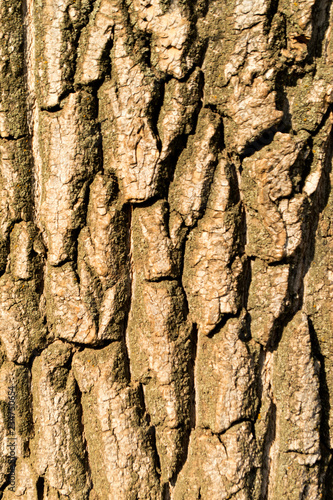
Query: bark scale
[(166, 246)]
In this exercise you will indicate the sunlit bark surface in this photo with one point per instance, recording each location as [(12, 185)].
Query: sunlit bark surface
[(166, 241)]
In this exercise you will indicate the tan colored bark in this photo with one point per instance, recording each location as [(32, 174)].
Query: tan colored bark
[(166, 250)]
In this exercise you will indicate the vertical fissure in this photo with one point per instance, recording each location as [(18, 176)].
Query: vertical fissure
[(131, 286), (32, 107), (267, 469), (269, 443), (40, 488), (326, 462), (193, 377)]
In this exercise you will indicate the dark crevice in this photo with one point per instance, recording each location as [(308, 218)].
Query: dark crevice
[(191, 370), (200, 8), (284, 126), (297, 452), (195, 48), (5, 248), (146, 203), (282, 262), (99, 155), (217, 143), (325, 117), (232, 424), (223, 321), (151, 432), (7, 481), (264, 139), (143, 47), (73, 30), (152, 436), (303, 257), (43, 344), (323, 387), (142, 409), (177, 146), (91, 87), (29, 114), (188, 424), (213, 108), (268, 442), (305, 493), (328, 482), (11, 138), (300, 262), (320, 23), (73, 251), (182, 457), (58, 107), (160, 279), (96, 347), (80, 422), (272, 10), (140, 39), (246, 280), (168, 164), (40, 488), (105, 64), (192, 402), (245, 328), (282, 104), (73, 258), (319, 200), (279, 323), (68, 366), (166, 491), (302, 167), (35, 354), (259, 375), (198, 63), (129, 210), (154, 111)]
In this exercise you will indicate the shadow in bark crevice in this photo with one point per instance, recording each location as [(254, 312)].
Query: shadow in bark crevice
[(301, 261), (191, 370), (268, 442), (327, 469), (40, 488), (320, 21)]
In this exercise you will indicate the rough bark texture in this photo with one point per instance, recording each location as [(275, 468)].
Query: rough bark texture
[(166, 242)]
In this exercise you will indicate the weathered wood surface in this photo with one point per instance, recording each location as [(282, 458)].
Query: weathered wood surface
[(166, 242)]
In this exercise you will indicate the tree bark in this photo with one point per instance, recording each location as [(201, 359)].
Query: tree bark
[(166, 239)]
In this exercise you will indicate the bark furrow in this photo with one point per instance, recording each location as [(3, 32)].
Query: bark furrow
[(166, 244)]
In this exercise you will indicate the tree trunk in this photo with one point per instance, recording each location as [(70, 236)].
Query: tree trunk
[(166, 235)]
